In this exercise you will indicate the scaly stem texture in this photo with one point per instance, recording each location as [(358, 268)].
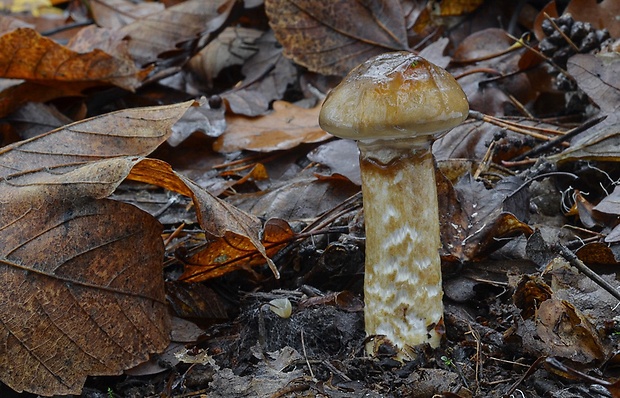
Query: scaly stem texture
[(402, 282)]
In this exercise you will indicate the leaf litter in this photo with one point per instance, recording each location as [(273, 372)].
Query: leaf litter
[(256, 205)]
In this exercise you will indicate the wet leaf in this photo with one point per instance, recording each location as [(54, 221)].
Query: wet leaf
[(233, 252), (315, 34), (474, 219), (288, 126)]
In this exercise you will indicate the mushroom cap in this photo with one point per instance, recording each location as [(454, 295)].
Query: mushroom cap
[(394, 95)]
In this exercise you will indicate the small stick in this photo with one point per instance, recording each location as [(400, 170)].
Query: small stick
[(577, 263), (558, 140), (500, 123)]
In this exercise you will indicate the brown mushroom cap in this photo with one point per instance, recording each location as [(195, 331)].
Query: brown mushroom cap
[(394, 95)]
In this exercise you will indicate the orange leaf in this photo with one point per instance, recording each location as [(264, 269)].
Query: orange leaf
[(24, 54), (286, 127), (233, 252)]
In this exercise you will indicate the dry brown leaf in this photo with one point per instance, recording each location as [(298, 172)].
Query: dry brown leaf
[(215, 216), (232, 252), (173, 31), (129, 132), (567, 332), (333, 37), (24, 54), (288, 126), (114, 14), (267, 75), (78, 297)]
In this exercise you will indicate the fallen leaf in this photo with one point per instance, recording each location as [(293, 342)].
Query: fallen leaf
[(302, 197), (267, 75), (216, 217), (233, 46), (341, 156), (172, 33), (129, 132), (333, 37), (24, 54), (233, 252), (114, 14), (601, 14), (286, 127), (567, 332), (474, 219), (79, 295), (597, 75)]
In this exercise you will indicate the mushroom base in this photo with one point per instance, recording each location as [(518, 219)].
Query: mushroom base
[(402, 283)]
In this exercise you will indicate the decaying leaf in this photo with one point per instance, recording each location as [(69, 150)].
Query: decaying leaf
[(601, 14), (597, 77), (288, 126), (302, 197), (567, 332), (231, 47), (474, 219), (218, 218), (267, 75), (316, 35), (78, 297), (114, 14), (164, 35), (233, 252)]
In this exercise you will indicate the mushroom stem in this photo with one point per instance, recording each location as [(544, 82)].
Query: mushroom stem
[(402, 285)]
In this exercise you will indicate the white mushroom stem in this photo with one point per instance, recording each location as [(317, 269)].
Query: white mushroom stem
[(402, 283)]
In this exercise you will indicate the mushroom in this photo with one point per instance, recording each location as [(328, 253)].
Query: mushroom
[(395, 105)]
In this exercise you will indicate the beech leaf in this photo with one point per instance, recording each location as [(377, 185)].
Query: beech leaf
[(333, 37), (286, 127), (78, 297), (25, 54), (129, 132)]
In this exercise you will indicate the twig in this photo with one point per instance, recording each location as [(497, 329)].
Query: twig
[(500, 123), (558, 140), (577, 263), (527, 374), (303, 347)]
